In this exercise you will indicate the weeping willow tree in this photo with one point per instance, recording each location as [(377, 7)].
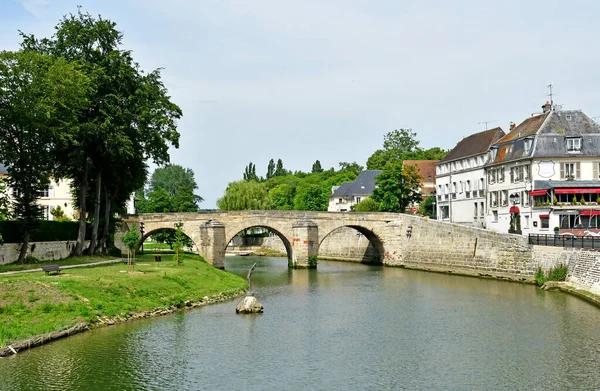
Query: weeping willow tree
[(243, 195)]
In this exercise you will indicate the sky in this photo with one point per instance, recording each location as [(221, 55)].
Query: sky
[(327, 79)]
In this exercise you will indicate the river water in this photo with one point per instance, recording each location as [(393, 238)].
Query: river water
[(343, 326)]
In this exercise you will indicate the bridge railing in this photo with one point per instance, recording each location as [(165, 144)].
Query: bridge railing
[(589, 241)]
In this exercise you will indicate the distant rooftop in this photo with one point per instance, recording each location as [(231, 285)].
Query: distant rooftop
[(362, 185), (474, 144)]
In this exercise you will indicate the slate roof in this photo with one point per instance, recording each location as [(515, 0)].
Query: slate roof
[(363, 184), (474, 144), (550, 131)]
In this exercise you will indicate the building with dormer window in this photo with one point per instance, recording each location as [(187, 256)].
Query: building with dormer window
[(546, 170)]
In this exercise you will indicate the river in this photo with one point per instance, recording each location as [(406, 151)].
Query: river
[(343, 326)]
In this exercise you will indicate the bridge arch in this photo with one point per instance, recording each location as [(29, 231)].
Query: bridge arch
[(163, 229), (375, 250), (232, 232)]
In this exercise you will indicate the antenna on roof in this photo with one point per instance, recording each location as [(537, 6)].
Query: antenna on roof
[(551, 95), (486, 123)]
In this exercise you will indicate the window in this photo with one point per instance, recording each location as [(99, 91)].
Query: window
[(468, 185), (481, 211), (525, 198), (527, 172), (481, 185), (475, 210), (570, 170), (504, 197), (527, 146), (544, 221), (44, 193), (501, 175), (453, 187), (574, 144), (45, 212), (492, 176), (526, 224), (495, 213), (358, 199), (596, 170), (16, 193)]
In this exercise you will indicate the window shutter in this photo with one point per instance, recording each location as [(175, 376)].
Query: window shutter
[(578, 170), (595, 170), (562, 170)]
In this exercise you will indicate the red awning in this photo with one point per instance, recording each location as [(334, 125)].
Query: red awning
[(544, 216), (514, 209), (538, 192), (590, 212), (577, 191)]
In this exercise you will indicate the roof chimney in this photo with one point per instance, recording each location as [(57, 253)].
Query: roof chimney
[(547, 107), (511, 125)]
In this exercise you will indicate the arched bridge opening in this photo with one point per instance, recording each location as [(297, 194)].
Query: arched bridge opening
[(352, 243), (164, 239), (258, 240)]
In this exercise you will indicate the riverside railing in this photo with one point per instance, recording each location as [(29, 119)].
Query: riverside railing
[(589, 241)]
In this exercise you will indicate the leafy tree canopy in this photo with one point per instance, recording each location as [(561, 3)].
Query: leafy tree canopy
[(316, 167), (367, 205), (171, 190), (243, 195), (400, 145), (398, 186)]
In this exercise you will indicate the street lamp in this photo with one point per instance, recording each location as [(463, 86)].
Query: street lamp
[(515, 220)]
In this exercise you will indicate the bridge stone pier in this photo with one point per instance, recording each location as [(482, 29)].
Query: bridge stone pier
[(398, 239)]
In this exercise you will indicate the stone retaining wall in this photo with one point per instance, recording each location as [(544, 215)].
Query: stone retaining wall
[(583, 265), (45, 251)]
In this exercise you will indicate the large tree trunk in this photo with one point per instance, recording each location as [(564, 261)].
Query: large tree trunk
[(94, 239), (104, 236), (82, 209), (24, 246)]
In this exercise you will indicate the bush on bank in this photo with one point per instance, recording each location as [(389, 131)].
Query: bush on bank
[(33, 303), (558, 273)]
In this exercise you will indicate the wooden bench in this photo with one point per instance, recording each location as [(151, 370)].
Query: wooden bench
[(126, 262), (54, 269)]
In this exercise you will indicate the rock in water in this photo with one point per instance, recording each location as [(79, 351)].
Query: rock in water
[(249, 305)]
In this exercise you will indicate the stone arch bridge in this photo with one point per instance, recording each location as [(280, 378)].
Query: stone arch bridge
[(398, 239)]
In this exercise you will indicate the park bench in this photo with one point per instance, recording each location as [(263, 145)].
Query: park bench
[(54, 269), (126, 262), (157, 258)]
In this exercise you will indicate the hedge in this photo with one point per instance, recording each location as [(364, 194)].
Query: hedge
[(45, 231)]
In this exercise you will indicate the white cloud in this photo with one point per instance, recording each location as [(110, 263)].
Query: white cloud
[(37, 8)]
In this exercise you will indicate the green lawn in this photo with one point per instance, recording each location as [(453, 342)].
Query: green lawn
[(62, 262), (33, 303)]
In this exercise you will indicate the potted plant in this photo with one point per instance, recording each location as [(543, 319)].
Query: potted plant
[(555, 200), (556, 230), (582, 200)]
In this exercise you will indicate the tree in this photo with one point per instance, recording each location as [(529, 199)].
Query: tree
[(400, 141), (131, 240), (378, 159), (178, 244), (40, 98), (310, 197), (352, 167), (282, 197), (250, 172), (280, 171), (58, 214), (244, 195), (271, 169), (397, 187), (171, 178), (366, 205), (129, 118), (4, 201), (316, 167), (427, 206)]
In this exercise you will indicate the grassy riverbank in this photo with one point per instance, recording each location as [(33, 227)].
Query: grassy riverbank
[(61, 262), (33, 303)]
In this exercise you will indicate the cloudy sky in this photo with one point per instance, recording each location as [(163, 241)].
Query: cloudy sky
[(326, 79)]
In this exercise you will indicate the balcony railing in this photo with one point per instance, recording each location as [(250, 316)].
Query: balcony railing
[(565, 241)]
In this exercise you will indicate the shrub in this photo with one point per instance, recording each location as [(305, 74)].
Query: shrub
[(31, 260), (558, 273), (44, 231), (114, 252)]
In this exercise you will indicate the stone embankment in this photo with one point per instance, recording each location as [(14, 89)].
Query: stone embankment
[(39, 340)]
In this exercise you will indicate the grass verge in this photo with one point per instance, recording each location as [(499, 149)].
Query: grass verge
[(33, 303)]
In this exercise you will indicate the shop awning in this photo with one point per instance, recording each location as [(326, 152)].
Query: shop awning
[(544, 216), (577, 190), (590, 212), (538, 192), (514, 209)]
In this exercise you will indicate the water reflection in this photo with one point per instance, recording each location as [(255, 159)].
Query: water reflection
[(342, 326)]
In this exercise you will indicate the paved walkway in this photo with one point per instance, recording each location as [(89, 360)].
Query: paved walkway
[(39, 269)]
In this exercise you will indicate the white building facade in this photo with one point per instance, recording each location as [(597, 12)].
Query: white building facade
[(546, 170), (461, 180)]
